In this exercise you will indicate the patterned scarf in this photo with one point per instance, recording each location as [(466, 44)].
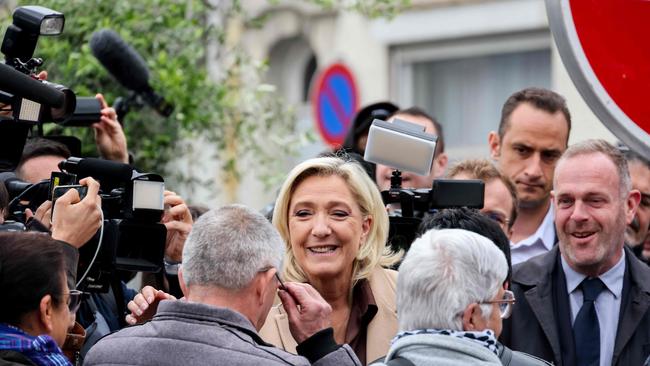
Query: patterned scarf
[(485, 338), (41, 350)]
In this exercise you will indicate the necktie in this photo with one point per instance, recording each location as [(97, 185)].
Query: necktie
[(586, 331)]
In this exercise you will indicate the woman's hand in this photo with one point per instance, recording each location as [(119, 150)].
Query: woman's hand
[(307, 311)]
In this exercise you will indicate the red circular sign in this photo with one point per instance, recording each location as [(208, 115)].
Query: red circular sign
[(614, 36), (603, 44)]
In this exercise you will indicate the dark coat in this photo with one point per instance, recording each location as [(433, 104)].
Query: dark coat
[(536, 325), (14, 358)]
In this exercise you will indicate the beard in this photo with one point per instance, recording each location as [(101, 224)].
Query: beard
[(601, 256)]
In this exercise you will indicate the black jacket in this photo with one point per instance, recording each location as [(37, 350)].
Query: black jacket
[(536, 325), (12, 358)]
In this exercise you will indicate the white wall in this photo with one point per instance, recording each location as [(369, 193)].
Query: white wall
[(366, 46)]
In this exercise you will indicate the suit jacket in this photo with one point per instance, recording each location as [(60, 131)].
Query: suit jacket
[(538, 324), (381, 329)]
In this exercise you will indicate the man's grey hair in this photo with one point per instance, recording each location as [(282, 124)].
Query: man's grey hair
[(228, 246), (594, 146), (443, 272)]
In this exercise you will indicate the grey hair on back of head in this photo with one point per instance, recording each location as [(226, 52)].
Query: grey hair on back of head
[(228, 246)]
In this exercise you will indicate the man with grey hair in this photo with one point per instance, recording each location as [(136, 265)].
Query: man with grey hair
[(587, 301), (450, 300), (229, 279)]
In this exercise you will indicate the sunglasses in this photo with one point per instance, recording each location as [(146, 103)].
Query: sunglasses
[(74, 300)]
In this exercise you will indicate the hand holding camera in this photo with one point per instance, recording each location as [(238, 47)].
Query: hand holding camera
[(76, 220)]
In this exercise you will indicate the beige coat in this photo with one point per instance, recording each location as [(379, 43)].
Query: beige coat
[(381, 330)]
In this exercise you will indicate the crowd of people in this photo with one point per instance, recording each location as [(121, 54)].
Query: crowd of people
[(552, 270)]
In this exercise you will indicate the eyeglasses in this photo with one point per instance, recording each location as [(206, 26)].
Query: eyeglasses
[(505, 304), (277, 276), (74, 300), (280, 281), (500, 218)]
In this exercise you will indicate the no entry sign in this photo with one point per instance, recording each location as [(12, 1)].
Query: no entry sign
[(603, 44), (335, 101)]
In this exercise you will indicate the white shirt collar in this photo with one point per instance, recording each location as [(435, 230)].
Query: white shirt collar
[(545, 232), (613, 278)]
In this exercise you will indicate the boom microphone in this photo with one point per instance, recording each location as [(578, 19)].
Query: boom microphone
[(121, 60), (127, 67), (100, 169), (23, 86)]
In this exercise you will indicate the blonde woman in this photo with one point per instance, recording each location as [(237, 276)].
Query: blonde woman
[(334, 224)]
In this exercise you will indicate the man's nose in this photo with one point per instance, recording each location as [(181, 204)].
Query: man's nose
[(534, 166), (579, 212)]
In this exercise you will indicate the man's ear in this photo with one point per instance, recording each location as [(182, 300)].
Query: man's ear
[(495, 145), (46, 313), (181, 281), (440, 165), (473, 318), (631, 205), (262, 284)]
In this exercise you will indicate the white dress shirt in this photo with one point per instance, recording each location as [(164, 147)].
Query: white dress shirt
[(540, 242)]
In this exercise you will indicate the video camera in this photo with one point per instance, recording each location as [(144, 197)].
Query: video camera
[(132, 237), (27, 101), (415, 154)]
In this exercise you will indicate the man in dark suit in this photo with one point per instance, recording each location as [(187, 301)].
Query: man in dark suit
[(587, 301)]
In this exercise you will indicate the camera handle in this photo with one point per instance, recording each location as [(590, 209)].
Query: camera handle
[(123, 105)]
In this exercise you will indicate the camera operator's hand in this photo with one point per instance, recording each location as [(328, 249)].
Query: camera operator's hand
[(109, 136), (76, 221), (178, 221), (145, 304), (42, 75), (307, 311), (43, 214)]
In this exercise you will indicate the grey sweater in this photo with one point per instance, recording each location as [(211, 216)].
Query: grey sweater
[(184, 333)]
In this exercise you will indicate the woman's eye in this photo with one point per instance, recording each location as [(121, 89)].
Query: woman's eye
[(302, 213), (340, 214)]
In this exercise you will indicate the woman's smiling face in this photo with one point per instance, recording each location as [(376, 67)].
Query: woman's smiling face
[(326, 227)]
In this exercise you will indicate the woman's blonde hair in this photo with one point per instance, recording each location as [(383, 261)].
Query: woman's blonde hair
[(373, 252)]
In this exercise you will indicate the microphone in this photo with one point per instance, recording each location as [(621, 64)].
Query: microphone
[(100, 169), (127, 67), (23, 86)]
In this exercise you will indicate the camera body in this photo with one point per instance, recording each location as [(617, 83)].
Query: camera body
[(406, 146), (132, 237)]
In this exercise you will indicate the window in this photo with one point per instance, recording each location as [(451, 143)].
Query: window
[(464, 83)]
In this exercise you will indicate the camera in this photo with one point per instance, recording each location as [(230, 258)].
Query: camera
[(415, 154), (132, 237), (26, 101), (18, 45)]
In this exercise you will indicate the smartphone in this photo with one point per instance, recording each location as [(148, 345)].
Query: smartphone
[(59, 191)]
